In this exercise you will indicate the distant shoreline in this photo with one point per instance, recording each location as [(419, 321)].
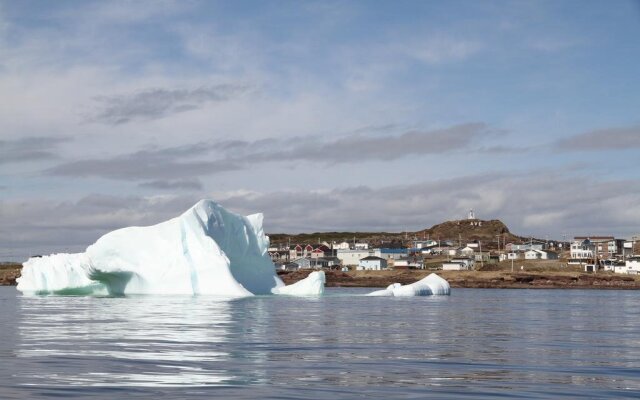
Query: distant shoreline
[(477, 279), (458, 279)]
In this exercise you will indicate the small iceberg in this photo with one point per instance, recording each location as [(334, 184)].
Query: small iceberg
[(312, 285), (431, 285)]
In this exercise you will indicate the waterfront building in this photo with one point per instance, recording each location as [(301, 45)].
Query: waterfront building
[(352, 257), (372, 263)]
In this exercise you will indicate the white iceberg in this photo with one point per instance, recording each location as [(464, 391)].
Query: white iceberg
[(312, 285), (206, 250), (430, 285)]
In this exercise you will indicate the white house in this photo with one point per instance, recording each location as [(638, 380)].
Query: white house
[(352, 257), (341, 246), (467, 251), (421, 244), (631, 266), (452, 251), (408, 264), (454, 266), (390, 254), (582, 250), (509, 256), (540, 255), (361, 246), (372, 263)]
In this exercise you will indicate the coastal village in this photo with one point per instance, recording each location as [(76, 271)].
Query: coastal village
[(466, 251), (469, 252)]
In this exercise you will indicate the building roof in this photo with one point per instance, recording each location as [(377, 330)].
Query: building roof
[(392, 251), (594, 238), (372, 258)]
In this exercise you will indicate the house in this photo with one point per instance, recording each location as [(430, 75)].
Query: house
[(633, 265), (341, 246), (451, 251), (302, 262), (458, 264), (510, 256), (604, 246), (467, 251), (318, 252), (361, 246), (483, 256), (581, 251), (372, 263), (299, 250), (325, 262), (540, 255), (454, 266), (532, 255), (280, 255), (352, 257), (407, 264), (289, 267), (423, 244), (389, 254), (513, 247)]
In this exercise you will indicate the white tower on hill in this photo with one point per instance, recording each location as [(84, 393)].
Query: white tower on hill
[(471, 215)]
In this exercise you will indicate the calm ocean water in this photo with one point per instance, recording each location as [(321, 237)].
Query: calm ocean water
[(476, 343)]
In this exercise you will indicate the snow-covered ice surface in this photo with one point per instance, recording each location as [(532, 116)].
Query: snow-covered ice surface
[(207, 250), (430, 285)]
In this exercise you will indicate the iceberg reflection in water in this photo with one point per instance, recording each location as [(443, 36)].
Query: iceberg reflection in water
[(133, 341)]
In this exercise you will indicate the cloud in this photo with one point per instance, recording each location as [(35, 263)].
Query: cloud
[(360, 147), (42, 226), (155, 103), (29, 149), (162, 164), (603, 139), (188, 184), (530, 204)]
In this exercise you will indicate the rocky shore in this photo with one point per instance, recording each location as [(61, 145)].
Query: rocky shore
[(477, 279), (9, 273)]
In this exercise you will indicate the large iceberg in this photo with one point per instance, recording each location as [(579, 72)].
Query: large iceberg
[(206, 250)]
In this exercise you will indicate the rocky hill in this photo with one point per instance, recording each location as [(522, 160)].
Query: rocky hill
[(467, 230)]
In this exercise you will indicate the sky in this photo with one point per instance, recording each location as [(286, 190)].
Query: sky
[(323, 115)]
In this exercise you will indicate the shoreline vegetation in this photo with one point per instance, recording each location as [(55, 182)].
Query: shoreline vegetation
[(535, 276)]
